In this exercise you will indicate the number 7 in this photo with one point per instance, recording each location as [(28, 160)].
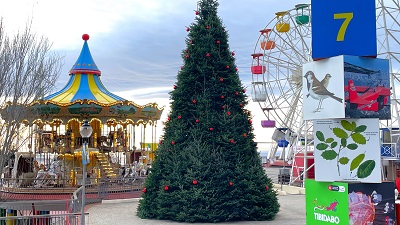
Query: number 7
[(347, 17)]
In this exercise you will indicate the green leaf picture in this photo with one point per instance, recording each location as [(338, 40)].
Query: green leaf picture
[(340, 133), (346, 125), (356, 161), (343, 142), (352, 146), (359, 138), (320, 135), (322, 146), (329, 140), (344, 160), (350, 154), (360, 129), (366, 169), (329, 155)]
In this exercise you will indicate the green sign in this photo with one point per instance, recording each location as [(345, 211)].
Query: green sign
[(326, 203)]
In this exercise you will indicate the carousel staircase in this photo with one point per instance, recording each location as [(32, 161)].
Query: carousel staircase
[(105, 166)]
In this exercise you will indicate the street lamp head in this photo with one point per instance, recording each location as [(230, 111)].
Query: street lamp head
[(86, 129)]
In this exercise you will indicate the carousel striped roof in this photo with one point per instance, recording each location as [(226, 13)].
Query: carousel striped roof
[(84, 82)]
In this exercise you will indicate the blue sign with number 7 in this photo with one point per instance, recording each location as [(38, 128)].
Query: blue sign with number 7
[(343, 27)]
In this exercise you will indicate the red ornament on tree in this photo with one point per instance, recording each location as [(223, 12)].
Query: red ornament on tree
[(230, 183), (236, 93), (194, 101), (232, 141), (241, 105), (85, 37), (244, 135), (194, 182), (172, 142), (222, 96), (208, 55), (187, 50), (236, 69), (207, 27), (221, 79), (211, 129), (179, 117), (187, 56), (229, 113), (144, 190), (174, 86), (266, 187), (244, 90), (187, 29), (233, 53), (223, 107), (250, 121), (166, 187), (197, 120), (197, 12), (218, 42), (160, 142), (191, 41), (227, 66), (169, 118)]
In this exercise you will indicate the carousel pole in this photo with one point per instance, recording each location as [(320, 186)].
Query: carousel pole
[(85, 131)]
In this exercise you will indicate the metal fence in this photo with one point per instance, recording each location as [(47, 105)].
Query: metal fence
[(58, 219), (54, 205)]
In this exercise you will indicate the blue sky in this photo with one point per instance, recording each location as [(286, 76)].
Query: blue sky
[(137, 44)]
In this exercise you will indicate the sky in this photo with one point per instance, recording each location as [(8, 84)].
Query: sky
[(137, 44)]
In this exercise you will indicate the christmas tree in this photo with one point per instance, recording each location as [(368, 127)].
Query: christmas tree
[(207, 168)]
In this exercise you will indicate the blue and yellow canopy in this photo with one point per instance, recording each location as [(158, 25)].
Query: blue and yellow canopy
[(85, 95), (84, 82)]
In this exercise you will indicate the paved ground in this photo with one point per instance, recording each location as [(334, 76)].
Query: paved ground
[(115, 212)]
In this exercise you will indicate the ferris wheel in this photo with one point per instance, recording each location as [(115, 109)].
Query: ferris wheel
[(284, 45)]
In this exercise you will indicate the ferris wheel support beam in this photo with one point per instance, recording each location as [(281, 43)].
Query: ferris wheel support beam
[(392, 75)]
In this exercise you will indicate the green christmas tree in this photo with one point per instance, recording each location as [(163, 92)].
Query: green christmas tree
[(207, 168)]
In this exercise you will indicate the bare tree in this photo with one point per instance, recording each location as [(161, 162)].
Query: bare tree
[(28, 71)]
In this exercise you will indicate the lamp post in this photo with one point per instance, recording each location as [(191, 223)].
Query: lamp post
[(85, 131)]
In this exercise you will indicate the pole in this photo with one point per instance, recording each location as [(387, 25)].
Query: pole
[(83, 186)]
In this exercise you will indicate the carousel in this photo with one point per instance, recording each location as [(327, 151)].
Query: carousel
[(117, 147)]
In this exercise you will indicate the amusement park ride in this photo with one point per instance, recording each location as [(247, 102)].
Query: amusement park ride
[(283, 46), (54, 159)]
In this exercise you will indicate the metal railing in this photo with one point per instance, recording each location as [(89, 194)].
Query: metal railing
[(58, 219), (96, 189)]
